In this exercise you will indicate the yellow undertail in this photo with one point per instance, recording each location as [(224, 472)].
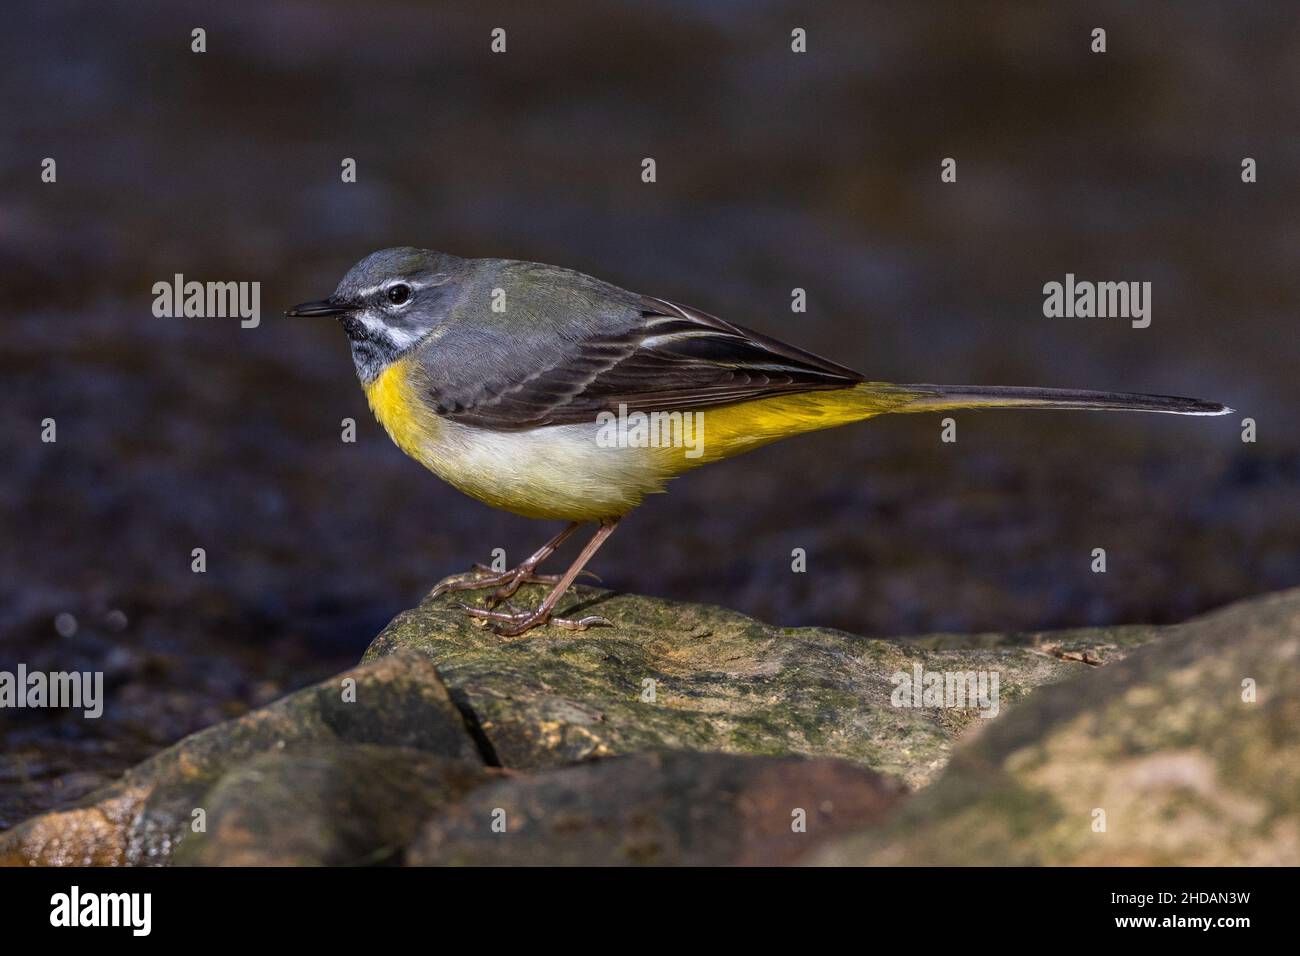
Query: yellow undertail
[(733, 429)]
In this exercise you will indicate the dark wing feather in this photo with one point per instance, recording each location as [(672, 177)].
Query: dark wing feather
[(669, 357)]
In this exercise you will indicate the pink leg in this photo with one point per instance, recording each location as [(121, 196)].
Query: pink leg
[(483, 577), (512, 625)]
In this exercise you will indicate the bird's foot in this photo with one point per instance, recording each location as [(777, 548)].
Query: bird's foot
[(506, 582), (513, 624)]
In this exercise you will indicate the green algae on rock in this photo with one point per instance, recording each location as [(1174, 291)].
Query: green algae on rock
[(670, 676)]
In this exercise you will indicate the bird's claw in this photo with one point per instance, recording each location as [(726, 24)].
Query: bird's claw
[(582, 623), (476, 577), (516, 623)]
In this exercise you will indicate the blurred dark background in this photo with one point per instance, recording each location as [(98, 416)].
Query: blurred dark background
[(775, 170)]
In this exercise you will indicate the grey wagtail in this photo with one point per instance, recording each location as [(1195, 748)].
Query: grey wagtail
[(510, 380)]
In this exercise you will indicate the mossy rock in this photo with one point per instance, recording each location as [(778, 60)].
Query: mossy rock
[(670, 676)]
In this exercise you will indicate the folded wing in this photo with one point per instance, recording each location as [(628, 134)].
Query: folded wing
[(664, 357)]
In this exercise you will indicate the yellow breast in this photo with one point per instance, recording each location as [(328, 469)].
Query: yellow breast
[(393, 399)]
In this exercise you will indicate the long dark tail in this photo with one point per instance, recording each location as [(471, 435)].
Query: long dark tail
[(937, 398)]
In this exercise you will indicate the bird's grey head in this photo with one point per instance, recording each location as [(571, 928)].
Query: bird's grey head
[(388, 302)]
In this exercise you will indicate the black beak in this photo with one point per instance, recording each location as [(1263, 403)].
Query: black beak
[(330, 306)]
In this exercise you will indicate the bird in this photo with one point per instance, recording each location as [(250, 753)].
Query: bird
[(552, 394)]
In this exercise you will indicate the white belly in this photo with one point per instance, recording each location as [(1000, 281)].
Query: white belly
[(555, 472)]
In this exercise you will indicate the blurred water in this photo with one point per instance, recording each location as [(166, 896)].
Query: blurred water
[(775, 171)]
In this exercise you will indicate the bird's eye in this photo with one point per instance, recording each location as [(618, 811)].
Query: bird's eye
[(397, 294)]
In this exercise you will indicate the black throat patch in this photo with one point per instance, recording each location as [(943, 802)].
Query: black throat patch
[(371, 353)]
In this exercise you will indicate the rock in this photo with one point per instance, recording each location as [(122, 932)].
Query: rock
[(350, 805), (1168, 745), (688, 734), (663, 808), (721, 682), (140, 819)]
